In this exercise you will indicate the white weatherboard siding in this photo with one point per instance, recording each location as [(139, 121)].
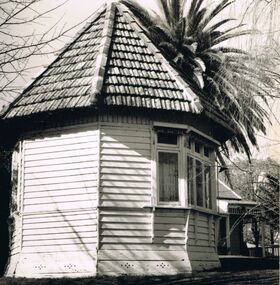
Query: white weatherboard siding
[(132, 240), (59, 219), (87, 208), (201, 241)]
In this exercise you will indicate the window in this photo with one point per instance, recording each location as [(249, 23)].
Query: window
[(199, 183), (168, 167), (200, 174), (168, 138), (185, 169), (168, 177)]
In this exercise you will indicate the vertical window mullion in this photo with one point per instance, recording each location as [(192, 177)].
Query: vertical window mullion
[(214, 181), (183, 197), (203, 185), (194, 181)]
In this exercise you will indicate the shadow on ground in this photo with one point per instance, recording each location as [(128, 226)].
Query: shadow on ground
[(256, 277)]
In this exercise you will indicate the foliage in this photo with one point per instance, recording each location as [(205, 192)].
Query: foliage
[(259, 181), (227, 79)]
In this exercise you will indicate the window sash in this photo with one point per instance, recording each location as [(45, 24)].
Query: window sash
[(168, 177), (193, 183), (199, 182)]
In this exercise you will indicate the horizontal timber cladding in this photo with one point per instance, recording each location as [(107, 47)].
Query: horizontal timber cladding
[(59, 224), (134, 238), (135, 242), (201, 241), (125, 165), (60, 171)]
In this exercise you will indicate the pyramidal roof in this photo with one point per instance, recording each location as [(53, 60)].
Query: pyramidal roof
[(111, 62)]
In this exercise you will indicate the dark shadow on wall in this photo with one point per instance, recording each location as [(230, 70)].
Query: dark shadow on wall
[(4, 208)]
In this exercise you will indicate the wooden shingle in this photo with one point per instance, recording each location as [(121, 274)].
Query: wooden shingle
[(111, 60)]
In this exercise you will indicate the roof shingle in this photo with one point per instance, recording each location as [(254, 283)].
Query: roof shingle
[(111, 58)]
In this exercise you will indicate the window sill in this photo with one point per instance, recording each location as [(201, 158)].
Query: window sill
[(173, 207)]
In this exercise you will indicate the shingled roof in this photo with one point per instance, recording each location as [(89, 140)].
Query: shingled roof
[(226, 193), (112, 62)]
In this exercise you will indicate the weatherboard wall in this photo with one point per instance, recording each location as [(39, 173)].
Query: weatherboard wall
[(58, 228), (88, 207), (133, 238)]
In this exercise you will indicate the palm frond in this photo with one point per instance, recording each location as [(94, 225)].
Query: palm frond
[(225, 36), (228, 78), (163, 4), (218, 9)]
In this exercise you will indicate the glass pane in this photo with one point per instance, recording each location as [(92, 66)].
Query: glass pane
[(207, 179), (206, 151), (167, 138), (197, 147), (190, 177), (168, 177), (199, 186), (189, 143)]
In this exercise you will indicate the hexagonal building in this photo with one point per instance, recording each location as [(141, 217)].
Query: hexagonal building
[(113, 161)]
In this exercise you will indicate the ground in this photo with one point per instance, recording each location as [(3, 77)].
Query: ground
[(254, 277)]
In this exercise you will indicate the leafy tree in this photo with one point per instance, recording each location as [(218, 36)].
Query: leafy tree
[(259, 181), (227, 79)]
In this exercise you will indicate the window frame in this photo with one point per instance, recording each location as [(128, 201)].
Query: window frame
[(170, 148), (183, 153), (206, 161)]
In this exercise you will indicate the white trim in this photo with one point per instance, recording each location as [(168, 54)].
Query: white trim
[(187, 218), (98, 189), (153, 169), (228, 234), (21, 190), (187, 128)]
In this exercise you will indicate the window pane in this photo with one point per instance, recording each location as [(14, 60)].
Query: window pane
[(168, 177), (197, 147), (199, 188), (167, 138), (207, 179), (189, 143), (190, 177)]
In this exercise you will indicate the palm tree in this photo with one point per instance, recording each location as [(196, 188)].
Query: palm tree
[(226, 79)]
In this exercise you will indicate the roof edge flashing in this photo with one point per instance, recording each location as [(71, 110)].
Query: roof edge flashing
[(102, 57)]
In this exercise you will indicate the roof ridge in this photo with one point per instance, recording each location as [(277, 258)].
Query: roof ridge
[(102, 57), (43, 70), (134, 23)]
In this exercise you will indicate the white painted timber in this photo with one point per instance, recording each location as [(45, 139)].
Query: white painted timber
[(87, 207), (59, 222), (201, 240)]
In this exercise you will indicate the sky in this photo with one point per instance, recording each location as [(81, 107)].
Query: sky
[(75, 12)]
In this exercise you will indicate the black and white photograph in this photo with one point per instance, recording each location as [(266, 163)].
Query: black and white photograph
[(139, 142)]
